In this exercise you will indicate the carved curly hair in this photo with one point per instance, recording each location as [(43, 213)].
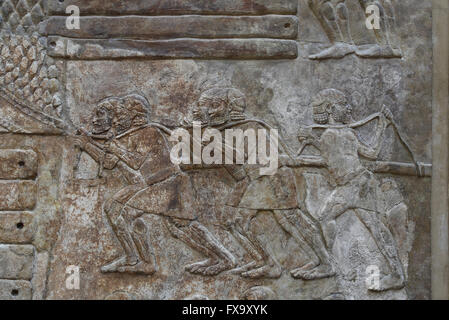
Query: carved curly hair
[(138, 107), (233, 98), (322, 101)]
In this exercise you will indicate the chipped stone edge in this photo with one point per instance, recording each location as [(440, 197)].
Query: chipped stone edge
[(440, 134)]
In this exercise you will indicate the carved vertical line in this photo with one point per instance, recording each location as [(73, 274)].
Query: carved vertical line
[(440, 180)]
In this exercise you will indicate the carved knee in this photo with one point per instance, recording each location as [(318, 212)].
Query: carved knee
[(130, 214), (112, 210), (121, 225), (107, 206), (139, 227), (284, 219), (179, 223)]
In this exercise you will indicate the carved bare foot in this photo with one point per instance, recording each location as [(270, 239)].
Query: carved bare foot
[(303, 269), (320, 272), (209, 267), (118, 263), (272, 271), (218, 268), (199, 267), (249, 266), (335, 297), (389, 282), (338, 50), (139, 268), (377, 51)]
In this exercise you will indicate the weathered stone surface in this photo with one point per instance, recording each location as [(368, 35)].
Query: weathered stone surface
[(16, 262), (13, 120), (19, 15), (17, 195), (18, 164), (440, 133), (16, 227), (217, 7), (171, 27), (15, 290), (171, 49), (40, 275), (344, 212)]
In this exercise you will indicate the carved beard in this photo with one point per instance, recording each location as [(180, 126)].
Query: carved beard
[(103, 128), (343, 118), (218, 120), (219, 116)]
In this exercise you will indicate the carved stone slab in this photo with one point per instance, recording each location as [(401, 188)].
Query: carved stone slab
[(16, 227), (172, 27), (175, 7), (95, 202), (17, 195), (15, 290), (16, 262), (18, 164)]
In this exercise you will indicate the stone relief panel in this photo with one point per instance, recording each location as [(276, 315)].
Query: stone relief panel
[(86, 152)]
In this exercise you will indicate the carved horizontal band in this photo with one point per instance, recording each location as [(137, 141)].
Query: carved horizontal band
[(21, 287), (170, 27), (18, 164), (390, 167), (84, 49), (16, 227), (17, 195), (17, 262), (176, 7)]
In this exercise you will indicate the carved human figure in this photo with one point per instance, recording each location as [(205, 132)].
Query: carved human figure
[(333, 16), (224, 109), (155, 185), (356, 187)]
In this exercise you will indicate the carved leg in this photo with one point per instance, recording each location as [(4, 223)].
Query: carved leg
[(308, 235), (226, 259), (241, 237), (121, 229), (283, 217), (179, 230), (265, 266), (335, 206), (336, 26), (233, 221), (387, 246), (200, 239), (141, 238)]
